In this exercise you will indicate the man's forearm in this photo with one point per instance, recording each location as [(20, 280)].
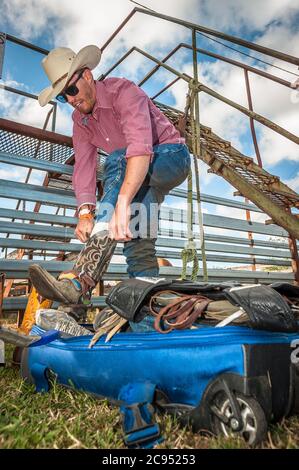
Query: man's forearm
[(136, 171)]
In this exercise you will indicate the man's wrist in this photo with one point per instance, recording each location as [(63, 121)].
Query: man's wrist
[(86, 206), (86, 211), (88, 216), (124, 200)]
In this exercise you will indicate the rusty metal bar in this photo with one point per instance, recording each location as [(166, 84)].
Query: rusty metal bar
[(281, 218), (143, 53), (30, 131), (2, 51), (22, 93), (118, 29), (273, 65), (268, 75), (54, 117), (42, 135), (184, 76), (160, 64), (250, 237), (224, 59), (35, 154), (266, 122), (194, 26), (154, 70), (204, 88), (118, 62), (165, 88), (295, 258), (2, 278), (227, 37), (252, 128), (20, 254), (258, 156), (11, 38), (198, 152)]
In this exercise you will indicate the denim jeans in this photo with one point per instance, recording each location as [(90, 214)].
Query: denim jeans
[(169, 167)]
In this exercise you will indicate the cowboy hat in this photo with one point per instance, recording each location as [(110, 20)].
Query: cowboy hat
[(61, 64)]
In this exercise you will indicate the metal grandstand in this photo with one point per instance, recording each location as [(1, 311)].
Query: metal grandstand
[(33, 234)]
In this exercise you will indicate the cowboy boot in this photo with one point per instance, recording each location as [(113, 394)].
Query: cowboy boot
[(75, 286), (16, 337)]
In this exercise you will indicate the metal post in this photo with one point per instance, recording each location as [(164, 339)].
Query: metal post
[(53, 127), (30, 169), (295, 258), (250, 236), (218, 34), (2, 279), (251, 120), (291, 239), (197, 150), (258, 156), (2, 51), (54, 116)]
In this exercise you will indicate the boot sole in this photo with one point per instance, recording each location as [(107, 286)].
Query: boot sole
[(46, 285), (18, 339)]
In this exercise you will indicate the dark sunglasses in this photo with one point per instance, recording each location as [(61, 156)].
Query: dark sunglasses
[(71, 90)]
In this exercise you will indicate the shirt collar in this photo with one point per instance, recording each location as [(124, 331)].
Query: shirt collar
[(102, 98), (102, 101)]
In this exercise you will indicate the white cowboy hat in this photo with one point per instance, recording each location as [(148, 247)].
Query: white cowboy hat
[(61, 64)]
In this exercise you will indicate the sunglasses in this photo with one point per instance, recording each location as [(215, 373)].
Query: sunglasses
[(71, 90)]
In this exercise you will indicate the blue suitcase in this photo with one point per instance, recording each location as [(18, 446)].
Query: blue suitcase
[(229, 380)]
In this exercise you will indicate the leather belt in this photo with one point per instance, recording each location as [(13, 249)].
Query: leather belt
[(181, 313)]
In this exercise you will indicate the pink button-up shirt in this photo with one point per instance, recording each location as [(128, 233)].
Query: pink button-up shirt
[(123, 117)]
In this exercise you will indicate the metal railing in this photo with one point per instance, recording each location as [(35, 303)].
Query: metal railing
[(200, 87)]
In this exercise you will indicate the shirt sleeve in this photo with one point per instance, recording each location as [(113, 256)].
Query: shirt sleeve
[(132, 107), (84, 175)]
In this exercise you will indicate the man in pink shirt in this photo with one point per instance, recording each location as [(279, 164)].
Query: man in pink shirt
[(147, 158)]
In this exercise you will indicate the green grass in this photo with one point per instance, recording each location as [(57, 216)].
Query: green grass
[(66, 418)]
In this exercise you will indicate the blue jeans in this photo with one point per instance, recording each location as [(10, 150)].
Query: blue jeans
[(169, 168)]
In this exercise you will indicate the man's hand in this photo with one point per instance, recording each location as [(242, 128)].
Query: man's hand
[(137, 168), (84, 229), (119, 224)]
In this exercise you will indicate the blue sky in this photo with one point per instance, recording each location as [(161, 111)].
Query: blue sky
[(72, 23)]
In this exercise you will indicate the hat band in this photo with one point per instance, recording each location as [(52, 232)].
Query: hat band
[(59, 80)]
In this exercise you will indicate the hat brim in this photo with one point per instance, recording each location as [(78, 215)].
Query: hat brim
[(88, 57)]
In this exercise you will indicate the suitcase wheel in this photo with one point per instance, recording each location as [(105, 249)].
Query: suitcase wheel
[(253, 426)]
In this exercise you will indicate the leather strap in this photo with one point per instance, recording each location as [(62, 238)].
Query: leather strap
[(181, 313)]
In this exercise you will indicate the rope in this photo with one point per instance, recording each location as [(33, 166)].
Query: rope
[(189, 253)]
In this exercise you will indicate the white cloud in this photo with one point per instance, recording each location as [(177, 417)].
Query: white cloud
[(246, 16), (270, 100), (73, 24), (294, 182), (240, 214), (28, 111), (281, 35), (18, 174), (96, 20)]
